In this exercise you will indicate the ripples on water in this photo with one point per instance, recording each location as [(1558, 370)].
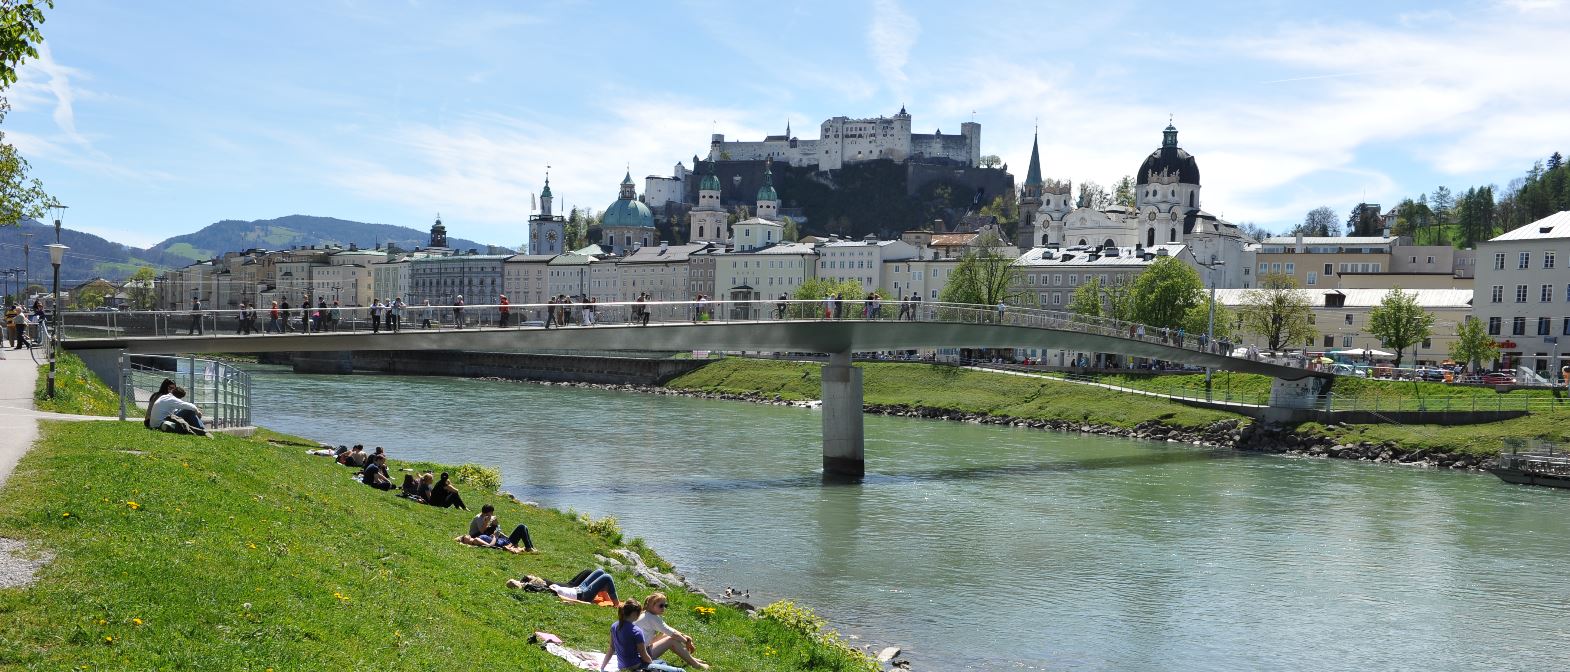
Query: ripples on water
[(992, 548)]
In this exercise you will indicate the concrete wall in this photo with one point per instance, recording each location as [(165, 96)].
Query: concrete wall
[(519, 366)]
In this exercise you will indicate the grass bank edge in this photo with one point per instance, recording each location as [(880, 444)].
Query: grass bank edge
[(178, 551)]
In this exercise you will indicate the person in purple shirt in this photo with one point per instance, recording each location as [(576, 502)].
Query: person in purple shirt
[(628, 645)]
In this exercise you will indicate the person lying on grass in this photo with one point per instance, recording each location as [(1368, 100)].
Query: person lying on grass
[(582, 588), (666, 638), (628, 645), (484, 531)]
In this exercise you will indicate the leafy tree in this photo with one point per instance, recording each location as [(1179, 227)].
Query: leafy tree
[(141, 290), (1440, 203), (1277, 311), (1123, 193), (1473, 345), (1165, 292), (20, 196), (991, 161), (1364, 220), (89, 297), (985, 276), (790, 233), (1087, 300), (1399, 322), (818, 288), (1091, 195), (1255, 231), (1005, 207), (1320, 221), (1197, 321)]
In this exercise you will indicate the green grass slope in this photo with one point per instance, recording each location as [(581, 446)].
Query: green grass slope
[(77, 390), (178, 552), (950, 388)]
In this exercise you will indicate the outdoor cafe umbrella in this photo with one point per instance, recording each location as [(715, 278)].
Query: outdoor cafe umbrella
[(1325, 360), (1365, 352)]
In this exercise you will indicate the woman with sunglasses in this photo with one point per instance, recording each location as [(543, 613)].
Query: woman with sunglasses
[(666, 638)]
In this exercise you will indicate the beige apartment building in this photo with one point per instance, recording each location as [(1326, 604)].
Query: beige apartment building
[(1365, 262), (1340, 318), (1523, 292)]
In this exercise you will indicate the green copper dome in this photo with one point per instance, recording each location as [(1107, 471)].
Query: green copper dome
[(710, 182), (766, 192), (628, 213), (546, 193)]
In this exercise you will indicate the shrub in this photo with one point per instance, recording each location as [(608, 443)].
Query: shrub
[(605, 528), (485, 479), (833, 651)]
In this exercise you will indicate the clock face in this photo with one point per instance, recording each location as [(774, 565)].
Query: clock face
[(551, 236)]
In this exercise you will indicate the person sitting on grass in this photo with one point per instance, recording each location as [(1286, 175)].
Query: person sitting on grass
[(411, 489), (484, 528), (375, 474), (628, 645), (427, 481), (163, 388), (354, 458), (445, 496), (666, 638), (172, 413)]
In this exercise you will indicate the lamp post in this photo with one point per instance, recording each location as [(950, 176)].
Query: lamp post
[(56, 254), (1210, 327), (27, 273)]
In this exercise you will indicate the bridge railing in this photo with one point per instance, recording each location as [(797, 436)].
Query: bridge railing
[(262, 321), (221, 390)]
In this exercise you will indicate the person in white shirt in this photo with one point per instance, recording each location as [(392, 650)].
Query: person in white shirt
[(175, 405), (668, 638)]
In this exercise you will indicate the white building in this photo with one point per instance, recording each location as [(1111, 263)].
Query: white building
[(661, 271), (863, 261), (1523, 292), (843, 140), (1340, 316), (659, 191), (764, 273), (1166, 211), (546, 228)]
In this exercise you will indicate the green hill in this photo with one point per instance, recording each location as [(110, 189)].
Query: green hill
[(285, 232)]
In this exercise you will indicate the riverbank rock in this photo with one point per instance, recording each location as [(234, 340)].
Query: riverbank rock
[(887, 654)]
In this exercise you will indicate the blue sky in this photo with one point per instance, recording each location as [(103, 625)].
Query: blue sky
[(152, 119)]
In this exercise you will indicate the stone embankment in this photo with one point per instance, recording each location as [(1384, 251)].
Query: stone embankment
[(1235, 434)]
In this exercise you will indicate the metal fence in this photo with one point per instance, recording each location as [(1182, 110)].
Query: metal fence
[(222, 391)]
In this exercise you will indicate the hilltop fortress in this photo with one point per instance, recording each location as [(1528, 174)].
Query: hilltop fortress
[(843, 140)]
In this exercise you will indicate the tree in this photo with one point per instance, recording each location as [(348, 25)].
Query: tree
[(818, 288), (1197, 321), (1004, 207), (1440, 204), (141, 290), (986, 277), (1399, 322), (790, 233), (1255, 231), (1555, 160), (1165, 292), (89, 297), (1363, 221), (990, 161), (1278, 311), (1123, 194), (1320, 221), (1094, 299), (1473, 345), (20, 195), (1092, 196)]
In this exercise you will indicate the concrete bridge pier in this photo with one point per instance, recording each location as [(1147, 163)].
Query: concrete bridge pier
[(843, 439)]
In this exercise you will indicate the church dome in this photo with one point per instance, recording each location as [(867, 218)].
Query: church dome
[(1171, 160), (710, 182), (628, 210)]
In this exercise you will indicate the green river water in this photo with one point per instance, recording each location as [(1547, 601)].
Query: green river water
[(988, 548)]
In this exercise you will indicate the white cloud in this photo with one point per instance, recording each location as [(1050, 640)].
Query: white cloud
[(890, 38)]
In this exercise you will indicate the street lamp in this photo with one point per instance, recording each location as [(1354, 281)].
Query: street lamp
[(1210, 328), (56, 253)]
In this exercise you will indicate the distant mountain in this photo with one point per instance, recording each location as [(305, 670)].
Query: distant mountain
[(89, 257), (285, 232)]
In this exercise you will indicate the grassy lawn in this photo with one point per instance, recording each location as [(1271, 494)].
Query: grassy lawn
[(1252, 384), (77, 390), (1485, 439), (950, 388), (178, 552)]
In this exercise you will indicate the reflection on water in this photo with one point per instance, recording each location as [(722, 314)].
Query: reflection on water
[(977, 547)]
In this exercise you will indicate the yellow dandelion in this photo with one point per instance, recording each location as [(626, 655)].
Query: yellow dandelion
[(250, 545), (134, 506), (108, 639), (102, 622), (136, 621), (67, 514)]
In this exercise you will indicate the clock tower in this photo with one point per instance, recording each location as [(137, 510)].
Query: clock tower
[(546, 229)]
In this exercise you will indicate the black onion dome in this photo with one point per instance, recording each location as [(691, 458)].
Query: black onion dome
[(1170, 160)]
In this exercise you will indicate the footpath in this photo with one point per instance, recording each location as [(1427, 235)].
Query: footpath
[(18, 416)]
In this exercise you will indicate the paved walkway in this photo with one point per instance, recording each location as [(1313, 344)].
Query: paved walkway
[(18, 418), (1118, 388)]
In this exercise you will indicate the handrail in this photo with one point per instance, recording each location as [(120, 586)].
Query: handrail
[(490, 316)]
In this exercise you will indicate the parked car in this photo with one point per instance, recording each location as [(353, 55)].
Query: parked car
[(1499, 378), (1431, 373)]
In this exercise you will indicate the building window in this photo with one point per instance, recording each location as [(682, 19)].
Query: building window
[(1275, 268), (1330, 341), (1543, 326), (1328, 273), (1520, 293), (1346, 341), (1499, 294), (1348, 318), (1057, 279), (1567, 327), (1499, 261), (1264, 268), (1547, 294), (1525, 261), (1291, 270), (1518, 326), (1493, 325), (1313, 278), (1057, 298)]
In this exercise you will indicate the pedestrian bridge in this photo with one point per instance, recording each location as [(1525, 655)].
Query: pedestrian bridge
[(734, 326)]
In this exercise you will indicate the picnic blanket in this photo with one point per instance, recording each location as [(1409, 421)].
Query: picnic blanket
[(583, 660)]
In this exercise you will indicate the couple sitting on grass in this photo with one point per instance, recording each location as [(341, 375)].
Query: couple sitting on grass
[(168, 411), (484, 531), (629, 644)]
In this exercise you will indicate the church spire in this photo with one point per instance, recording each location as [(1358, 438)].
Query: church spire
[(1033, 175)]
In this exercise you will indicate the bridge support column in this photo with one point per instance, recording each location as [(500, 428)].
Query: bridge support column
[(1300, 393), (843, 438)]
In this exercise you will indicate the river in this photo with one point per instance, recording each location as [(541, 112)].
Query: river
[(990, 548)]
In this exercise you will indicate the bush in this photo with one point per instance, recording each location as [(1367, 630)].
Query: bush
[(484, 479), (832, 651), (606, 528)]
